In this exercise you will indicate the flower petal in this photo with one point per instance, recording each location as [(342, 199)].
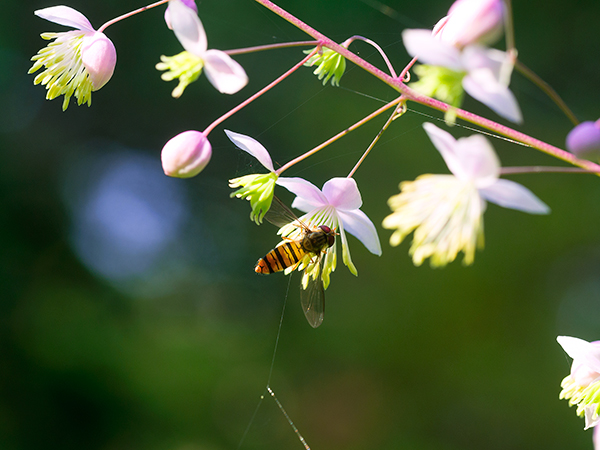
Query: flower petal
[(64, 15), (342, 193), (187, 27), (225, 74), (591, 416), (509, 194), (360, 226), (469, 159), (429, 50), (308, 196), (478, 160), (253, 147), (582, 351), (482, 85), (99, 56)]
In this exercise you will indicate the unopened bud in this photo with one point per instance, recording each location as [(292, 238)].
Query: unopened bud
[(584, 140), (186, 154)]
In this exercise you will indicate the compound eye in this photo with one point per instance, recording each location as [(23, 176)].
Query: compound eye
[(330, 239), (325, 228)]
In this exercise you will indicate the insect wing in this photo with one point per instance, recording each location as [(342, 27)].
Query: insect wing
[(312, 299), (280, 215)]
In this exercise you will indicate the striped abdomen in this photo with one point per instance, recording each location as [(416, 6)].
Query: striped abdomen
[(287, 253)]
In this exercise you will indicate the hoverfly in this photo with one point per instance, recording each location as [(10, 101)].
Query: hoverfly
[(313, 242)]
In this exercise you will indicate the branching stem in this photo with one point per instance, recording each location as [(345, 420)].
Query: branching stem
[(339, 135), (412, 95)]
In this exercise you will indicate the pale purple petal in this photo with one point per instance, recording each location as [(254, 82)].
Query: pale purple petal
[(189, 3), (188, 28), (225, 74), (478, 161), (429, 50), (446, 145), (584, 139), (66, 16), (342, 193), (308, 196), (360, 226), (477, 57), (509, 194), (472, 21), (484, 87), (253, 147), (99, 56)]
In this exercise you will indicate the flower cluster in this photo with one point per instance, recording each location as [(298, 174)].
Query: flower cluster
[(456, 62), (443, 212), (446, 211)]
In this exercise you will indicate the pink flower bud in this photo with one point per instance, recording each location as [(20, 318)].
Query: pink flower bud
[(584, 139), (99, 57), (186, 154), (471, 21)]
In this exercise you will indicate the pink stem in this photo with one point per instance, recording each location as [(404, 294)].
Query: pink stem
[(339, 135), (259, 48), (129, 14)]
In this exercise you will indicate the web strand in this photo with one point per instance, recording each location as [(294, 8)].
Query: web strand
[(268, 386)]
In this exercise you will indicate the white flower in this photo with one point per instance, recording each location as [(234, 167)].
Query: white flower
[(77, 62), (582, 386), (470, 22), (481, 69), (336, 206), (446, 211), (225, 74)]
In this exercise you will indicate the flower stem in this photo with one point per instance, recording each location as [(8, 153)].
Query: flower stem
[(129, 14), (348, 41), (411, 94), (543, 169), (259, 93), (259, 48), (548, 90), (368, 150), (339, 135)]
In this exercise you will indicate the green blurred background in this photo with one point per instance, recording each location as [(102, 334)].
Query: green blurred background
[(131, 318)]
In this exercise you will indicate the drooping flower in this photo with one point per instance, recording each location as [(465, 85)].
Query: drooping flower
[(189, 3), (338, 207), (256, 188), (77, 62), (582, 386), (446, 211), (186, 155), (225, 74), (584, 140), (471, 22), (480, 71), (329, 64)]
